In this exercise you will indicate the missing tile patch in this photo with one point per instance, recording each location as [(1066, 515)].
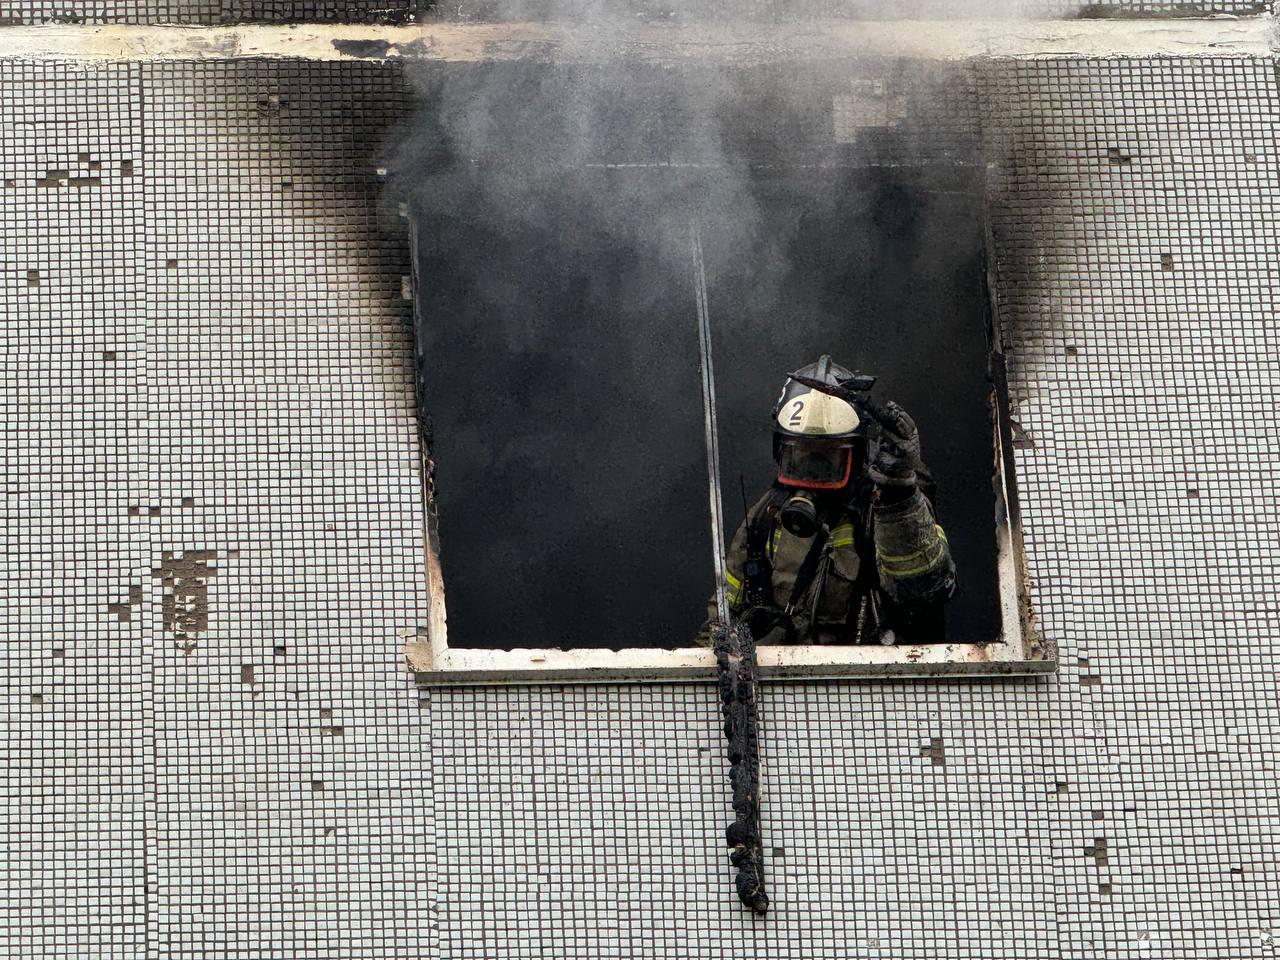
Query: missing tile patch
[(935, 752), (123, 611), (185, 578), (1098, 851), (53, 178)]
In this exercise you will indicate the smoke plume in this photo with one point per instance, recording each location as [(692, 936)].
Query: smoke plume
[(552, 202)]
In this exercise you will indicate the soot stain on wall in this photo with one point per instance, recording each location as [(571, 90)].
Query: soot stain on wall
[(557, 342)]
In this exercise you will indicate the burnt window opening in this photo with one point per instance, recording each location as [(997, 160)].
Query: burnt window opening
[(557, 344)]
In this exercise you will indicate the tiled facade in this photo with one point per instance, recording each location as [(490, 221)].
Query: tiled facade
[(213, 544)]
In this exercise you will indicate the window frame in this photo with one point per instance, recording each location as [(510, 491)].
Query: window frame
[(1020, 650)]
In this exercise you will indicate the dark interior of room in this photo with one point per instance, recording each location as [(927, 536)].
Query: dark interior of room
[(558, 349)]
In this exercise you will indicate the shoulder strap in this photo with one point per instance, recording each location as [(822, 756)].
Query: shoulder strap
[(808, 567)]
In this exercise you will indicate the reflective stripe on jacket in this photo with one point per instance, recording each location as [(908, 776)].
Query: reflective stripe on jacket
[(921, 572)]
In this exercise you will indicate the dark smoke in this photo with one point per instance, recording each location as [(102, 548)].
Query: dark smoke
[(557, 335)]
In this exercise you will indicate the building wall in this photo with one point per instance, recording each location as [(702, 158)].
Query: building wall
[(213, 552), (213, 522)]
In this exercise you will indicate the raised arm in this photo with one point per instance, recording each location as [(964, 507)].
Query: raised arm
[(912, 556)]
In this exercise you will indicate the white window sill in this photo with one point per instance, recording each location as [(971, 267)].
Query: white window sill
[(446, 666)]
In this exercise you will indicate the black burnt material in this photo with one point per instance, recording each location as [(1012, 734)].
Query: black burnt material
[(557, 332), (740, 706)]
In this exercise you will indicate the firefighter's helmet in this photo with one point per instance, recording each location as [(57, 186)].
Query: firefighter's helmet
[(816, 437)]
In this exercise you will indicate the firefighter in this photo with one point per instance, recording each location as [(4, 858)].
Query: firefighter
[(844, 546)]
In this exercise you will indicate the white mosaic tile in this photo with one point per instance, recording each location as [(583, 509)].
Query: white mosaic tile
[(213, 544)]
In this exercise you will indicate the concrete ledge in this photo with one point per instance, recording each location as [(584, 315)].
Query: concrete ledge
[(742, 44), (448, 667)]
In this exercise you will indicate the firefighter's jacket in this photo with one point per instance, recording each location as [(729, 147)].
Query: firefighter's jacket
[(880, 567)]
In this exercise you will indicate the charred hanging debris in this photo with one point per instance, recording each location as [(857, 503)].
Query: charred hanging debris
[(735, 650)]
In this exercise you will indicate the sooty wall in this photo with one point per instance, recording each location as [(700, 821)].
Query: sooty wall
[(557, 338)]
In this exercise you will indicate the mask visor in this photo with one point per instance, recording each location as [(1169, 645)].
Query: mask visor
[(814, 464)]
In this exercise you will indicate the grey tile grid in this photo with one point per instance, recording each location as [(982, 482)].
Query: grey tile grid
[(206, 11), (1140, 250), (213, 520), (288, 742), (586, 821), (75, 665)]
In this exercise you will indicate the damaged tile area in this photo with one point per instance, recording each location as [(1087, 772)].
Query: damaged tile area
[(185, 578)]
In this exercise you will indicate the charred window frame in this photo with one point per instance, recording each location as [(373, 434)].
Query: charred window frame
[(1020, 649)]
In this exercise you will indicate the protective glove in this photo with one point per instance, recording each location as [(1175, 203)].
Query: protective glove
[(897, 455)]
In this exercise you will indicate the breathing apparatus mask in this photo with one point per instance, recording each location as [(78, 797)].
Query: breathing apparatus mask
[(799, 515), (817, 473), (819, 444)]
